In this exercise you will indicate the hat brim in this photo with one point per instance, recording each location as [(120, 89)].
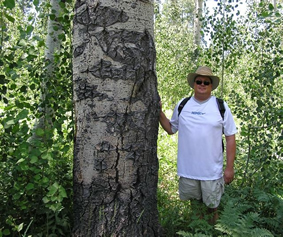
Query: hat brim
[(191, 80)]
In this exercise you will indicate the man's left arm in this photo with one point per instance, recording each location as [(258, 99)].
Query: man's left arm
[(230, 154)]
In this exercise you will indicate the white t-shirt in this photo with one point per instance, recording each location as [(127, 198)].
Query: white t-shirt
[(200, 124)]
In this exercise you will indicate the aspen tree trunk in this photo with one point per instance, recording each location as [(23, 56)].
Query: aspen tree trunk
[(116, 109), (197, 21), (53, 43), (197, 24)]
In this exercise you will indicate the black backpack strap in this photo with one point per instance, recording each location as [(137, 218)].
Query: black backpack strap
[(182, 104), (221, 107)]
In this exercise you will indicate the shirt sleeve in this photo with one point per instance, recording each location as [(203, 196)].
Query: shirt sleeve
[(229, 123), (175, 118)]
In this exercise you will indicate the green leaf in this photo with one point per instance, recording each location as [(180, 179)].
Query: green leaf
[(35, 3), (37, 177), (56, 207), (41, 43), (39, 132), (52, 17), (53, 189), (17, 196), (9, 4), (9, 123), (45, 200), (265, 14), (30, 186), (11, 19), (8, 107), (33, 159), (13, 87), (23, 114), (45, 180), (2, 79), (32, 86), (20, 161), (20, 227), (38, 38), (62, 37), (29, 29), (62, 4), (47, 156), (22, 42), (62, 192), (23, 89), (6, 232)]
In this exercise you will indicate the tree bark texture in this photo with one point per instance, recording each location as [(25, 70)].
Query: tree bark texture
[(116, 110)]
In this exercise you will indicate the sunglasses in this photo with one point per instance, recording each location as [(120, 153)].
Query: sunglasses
[(206, 83)]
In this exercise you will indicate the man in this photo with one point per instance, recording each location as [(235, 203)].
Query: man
[(200, 152)]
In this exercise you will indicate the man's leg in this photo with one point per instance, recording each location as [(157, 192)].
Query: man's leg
[(212, 192), (189, 189), (213, 215), (203, 196)]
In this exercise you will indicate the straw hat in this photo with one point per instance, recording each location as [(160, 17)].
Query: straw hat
[(203, 71)]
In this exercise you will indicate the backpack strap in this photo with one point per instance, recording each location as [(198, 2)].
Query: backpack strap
[(182, 104), (221, 107)]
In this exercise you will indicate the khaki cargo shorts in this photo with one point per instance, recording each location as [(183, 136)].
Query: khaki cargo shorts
[(209, 191)]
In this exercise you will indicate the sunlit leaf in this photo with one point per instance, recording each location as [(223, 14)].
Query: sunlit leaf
[(45, 199), (20, 160), (20, 227), (23, 42), (52, 189), (47, 156), (9, 123)]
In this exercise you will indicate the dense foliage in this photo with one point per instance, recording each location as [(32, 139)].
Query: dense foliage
[(36, 174)]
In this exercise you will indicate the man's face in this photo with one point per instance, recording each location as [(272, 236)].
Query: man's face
[(203, 86)]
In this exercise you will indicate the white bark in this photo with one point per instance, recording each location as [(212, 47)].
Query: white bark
[(53, 43), (140, 19), (197, 21), (116, 110)]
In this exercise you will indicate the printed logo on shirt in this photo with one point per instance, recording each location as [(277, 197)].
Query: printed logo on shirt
[(197, 113)]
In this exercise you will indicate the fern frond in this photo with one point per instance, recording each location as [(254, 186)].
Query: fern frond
[(186, 234), (259, 232)]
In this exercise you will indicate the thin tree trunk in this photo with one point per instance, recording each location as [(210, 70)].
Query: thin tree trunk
[(53, 43), (197, 25), (116, 110)]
